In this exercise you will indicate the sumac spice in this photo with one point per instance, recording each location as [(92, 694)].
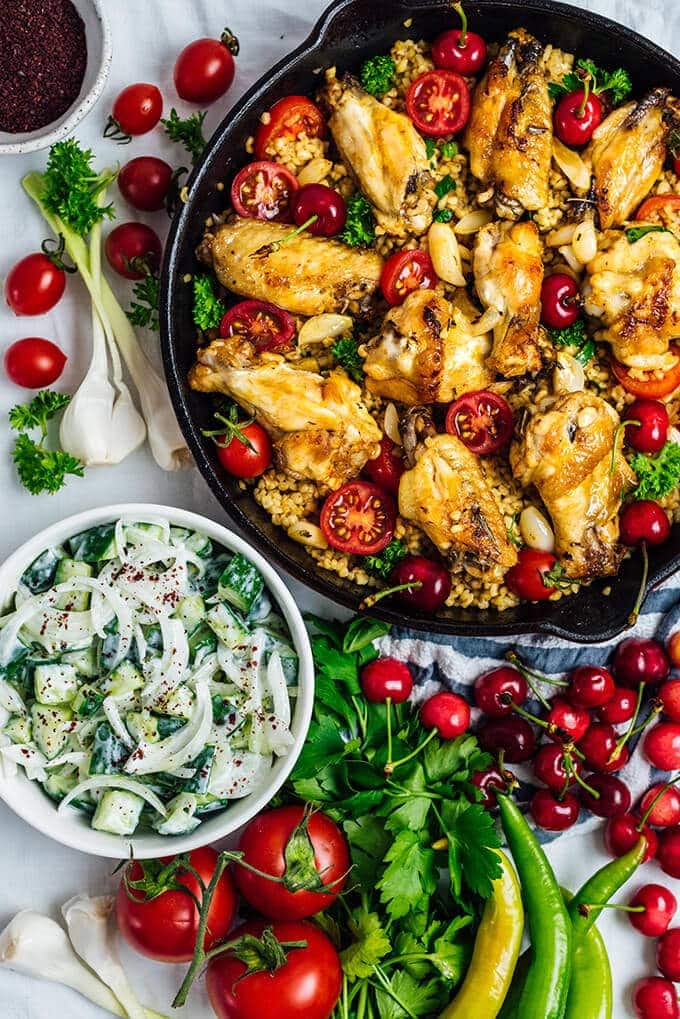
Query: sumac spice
[(43, 54)]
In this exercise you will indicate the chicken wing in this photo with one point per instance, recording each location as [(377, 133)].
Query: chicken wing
[(448, 496), (319, 426), (386, 155), (426, 353), (509, 134), (568, 454), (508, 268), (627, 154), (307, 275), (634, 290)]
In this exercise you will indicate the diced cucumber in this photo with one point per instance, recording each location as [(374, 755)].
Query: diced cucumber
[(222, 709), (241, 583), (179, 702), (203, 765), (18, 728), (153, 637), (94, 545), (289, 662), (118, 812), (125, 678), (109, 754), (50, 727), (214, 568), (75, 601), (136, 534), (202, 637), (142, 726), (167, 725), (227, 625), (87, 702), (55, 684), (40, 574), (180, 819), (59, 783), (85, 661), (109, 646), (191, 612), (199, 543), (208, 804)]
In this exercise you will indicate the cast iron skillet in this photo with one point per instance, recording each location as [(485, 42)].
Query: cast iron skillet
[(348, 32)]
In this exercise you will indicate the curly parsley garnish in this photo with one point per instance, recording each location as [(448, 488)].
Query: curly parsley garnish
[(187, 132), (617, 82), (208, 309), (346, 353), (657, 475), (359, 230), (41, 469), (377, 75), (144, 310), (384, 562)]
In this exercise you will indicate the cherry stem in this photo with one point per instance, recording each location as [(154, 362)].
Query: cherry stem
[(550, 727), (630, 731), (533, 677), (462, 38), (414, 753), (373, 599), (269, 249), (389, 767), (586, 96), (572, 772), (662, 790), (633, 617)]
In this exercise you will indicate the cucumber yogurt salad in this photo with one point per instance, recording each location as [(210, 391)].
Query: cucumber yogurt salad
[(145, 677)]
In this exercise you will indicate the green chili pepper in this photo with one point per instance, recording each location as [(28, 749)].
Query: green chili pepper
[(590, 989), (588, 902), (544, 994)]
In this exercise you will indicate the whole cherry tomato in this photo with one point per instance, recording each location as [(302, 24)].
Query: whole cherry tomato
[(34, 285), (205, 69), (34, 362), (133, 250), (246, 452), (386, 469), (526, 579), (137, 109), (144, 182)]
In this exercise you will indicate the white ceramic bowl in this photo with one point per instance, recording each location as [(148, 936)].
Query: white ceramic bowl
[(72, 828), (99, 53)]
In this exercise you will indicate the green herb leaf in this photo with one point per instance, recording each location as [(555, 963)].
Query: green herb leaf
[(634, 233), (574, 335), (359, 229), (430, 147), (384, 562), (369, 842), (187, 132), (40, 469), (143, 311), (410, 874), (586, 353), (657, 476), (71, 187), (324, 743), (472, 839), (616, 82), (377, 75), (454, 760), (208, 309), (39, 411), (442, 216), (449, 150), (361, 632), (346, 353), (444, 186), (371, 944), (403, 996)]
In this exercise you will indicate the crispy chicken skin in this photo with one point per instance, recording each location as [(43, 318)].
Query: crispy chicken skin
[(386, 155), (627, 154), (307, 276), (567, 454), (509, 134), (508, 268), (425, 353), (634, 289), (447, 494), (319, 426)]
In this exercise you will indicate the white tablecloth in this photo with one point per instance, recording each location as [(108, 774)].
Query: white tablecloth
[(147, 35)]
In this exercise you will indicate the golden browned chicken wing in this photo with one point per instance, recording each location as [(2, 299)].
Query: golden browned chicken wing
[(426, 353), (447, 494), (627, 154), (319, 426), (386, 155), (567, 454), (509, 134), (307, 275), (634, 290), (508, 270)]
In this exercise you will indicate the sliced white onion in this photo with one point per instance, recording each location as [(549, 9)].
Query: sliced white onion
[(471, 222), (76, 757), (166, 673), (31, 759), (113, 717), (571, 165), (10, 699), (445, 253), (488, 321), (114, 782), (234, 776), (324, 327), (180, 748)]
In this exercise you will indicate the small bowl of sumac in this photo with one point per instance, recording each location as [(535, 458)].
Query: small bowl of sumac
[(54, 61)]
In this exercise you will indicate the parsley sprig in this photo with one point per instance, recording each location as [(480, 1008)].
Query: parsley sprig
[(144, 309), (658, 475), (384, 562), (635, 233), (617, 83), (377, 75), (576, 339), (359, 229), (187, 131), (208, 309), (346, 353), (70, 187), (41, 469), (403, 934)]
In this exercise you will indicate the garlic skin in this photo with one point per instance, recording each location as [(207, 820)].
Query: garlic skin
[(535, 530)]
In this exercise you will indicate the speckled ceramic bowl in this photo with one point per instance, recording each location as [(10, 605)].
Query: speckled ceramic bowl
[(99, 53)]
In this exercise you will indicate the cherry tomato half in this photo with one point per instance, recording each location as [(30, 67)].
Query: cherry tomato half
[(264, 190), (652, 386), (205, 69), (404, 272), (34, 363), (34, 285), (137, 109), (144, 182), (133, 250), (576, 118), (288, 118), (526, 578), (482, 420), (358, 518), (438, 103), (387, 467), (265, 325), (648, 435), (663, 209), (247, 459)]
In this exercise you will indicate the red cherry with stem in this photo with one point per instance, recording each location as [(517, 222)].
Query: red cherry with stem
[(620, 708), (446, 712), (614, 796), (491, 688), (644, 520), (661, 746), (621, 834), (651, 422), (618, 761), (554, 813), (559, 301), (668, 954), (513, 737), (598, 745), (459, 50), (489, 781), (654, 998), (659, 906), (576, 117), (567, 718), (386, 469), (550, 767), (673, 649), (661, 805), (386, 678), (323, 202), (591, 686), (669, 695), (669, 851), (431, 582), (640, 660)]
